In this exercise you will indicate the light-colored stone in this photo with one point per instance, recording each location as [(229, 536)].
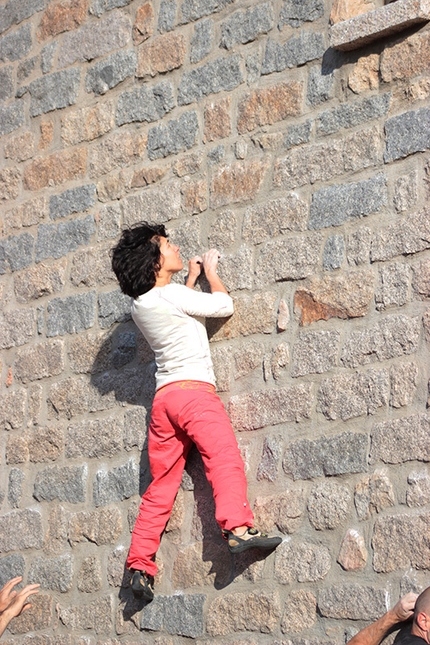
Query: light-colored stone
[(254, 314), (269, 105), (143, 27), (346, 9), (283, 316), (328, 505), (365, 74), (283, 511), (352, 601), (160, 54), (55, 169), (372, 494), (247, 358), (10, 179), (274, 217), (119, 150), (101, 526), (217, 120), (404, 381), (418, 493), (87, 123), (90, 575), (238, 182), (21, 147), (353, 553), (256, 611), (401, 440), (407, 58), (400, 541), (300, 612), (62, 16), (301, 562), (195, 566), (42, 280), (351, 395)]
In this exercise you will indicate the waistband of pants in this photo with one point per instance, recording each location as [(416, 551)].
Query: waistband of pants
[(186, 385)]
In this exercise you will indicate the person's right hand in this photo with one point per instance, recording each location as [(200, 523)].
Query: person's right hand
[(14, 602), (404, 608), (210, 260)]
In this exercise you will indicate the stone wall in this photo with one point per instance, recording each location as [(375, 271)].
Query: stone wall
[(236, 125)]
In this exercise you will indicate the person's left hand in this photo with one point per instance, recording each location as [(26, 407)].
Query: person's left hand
[(194, 267), (14, 601)]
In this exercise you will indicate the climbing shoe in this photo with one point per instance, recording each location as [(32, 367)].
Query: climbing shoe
[(142, 585), (251, 539)]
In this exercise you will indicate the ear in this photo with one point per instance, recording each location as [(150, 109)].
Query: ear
[(423, 621)]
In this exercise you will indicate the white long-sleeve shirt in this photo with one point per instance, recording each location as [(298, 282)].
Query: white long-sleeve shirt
[(172, 320)]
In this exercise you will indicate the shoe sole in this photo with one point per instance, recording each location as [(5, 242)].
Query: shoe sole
[(256, 543)]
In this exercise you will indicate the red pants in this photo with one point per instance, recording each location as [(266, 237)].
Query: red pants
[(182, 413)]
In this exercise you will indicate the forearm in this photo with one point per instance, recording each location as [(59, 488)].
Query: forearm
[(215, 282), (5, 619), (375, 633)]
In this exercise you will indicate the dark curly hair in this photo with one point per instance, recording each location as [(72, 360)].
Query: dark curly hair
[(136, 258)]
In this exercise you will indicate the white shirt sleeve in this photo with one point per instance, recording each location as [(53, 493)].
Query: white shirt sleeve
[(209, 305)]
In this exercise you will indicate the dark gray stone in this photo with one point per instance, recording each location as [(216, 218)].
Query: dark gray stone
[(124, 350), (56, 241), (55, 91), (25, 68), (17, 251), (180, 615), (349, 115), (108, 73), (298, 134), (315, 352), (11, 117), (194, 9), (220, 74), (216, 154), (167, 15), (47, 57), (14, 491), (98, 7), (10, 567), (135, 423), (15, 45), (327, 456), (407, 133), (117, 484), (52, 573), (334, 252), (296, 12), (334, 205), (73, 200), (114, 306), (352, 601), (6, 86), (67, 484), (177, 135), (15, 11), (272, 451), (253, 65), (295, 52), (244, 26), (21, 530), (145, 104), (71, 315), (201, 42), (319, 86)]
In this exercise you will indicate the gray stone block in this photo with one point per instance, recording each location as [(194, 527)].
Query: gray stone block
[(17, 251), (296, 12), (216, 154), (293, 258), (298, 134), (295, 52), (16, 44), (334, 205), (393, 288), (320, 86), (401, 542), (71, 201), (180, 615), (109, 222), (352, 601), (272, 451), (301, 562), (114, 306), (135, 424), (16, 328), (327, 456), (177, 135), (401, 440), (315, 352), (96, 615), (145, 104), (11, 117), (167, 15), (117, 484), (220, 74), (71, 315), (15, 11), (407, 133), (349, 115), (98, 7), (54, 91), (56, 241), (21, 530), (329, 505), (6, 86), (47, 57), (244, 26), (67, 484), (163, 203), (352, 395), (11, 566), (100, 438), (275, 217), (105, 75), (194, 9), (14, 491), (125, 349), (406, 236), (334, 252), (25, 68), (201, 42), (55, 574)]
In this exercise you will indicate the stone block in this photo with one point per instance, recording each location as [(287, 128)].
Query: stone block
[(270, 458), (201, 42), (191, 10), (160, 54), (102, 526), (194, 197), (320, 85), (88, 123), (334, 252), (15, 11), (91, 267), (143, 27), (247, 358), (251, 612), (365, 74), (298, 134), (401, 541), (10, 179), (372, 494), (296, 12), (21, 530), (99, 7), (16, 327), (403, 381), (52, 573), (293, 53), (44, 443), (74, 200), (114, 69), (408, 235), (407, 133), (25, 69), (117, 484), (55, 169), (109, 222), (270, 407), (395, 335), (393, 288), (67, 484), (315, 352), (217, 120), (237, 182), (62, 16), (353, 553), (71, 396), (329, 505), (353, 602), (38, 617), (253, 315), (223, 230), (117, 151), (114, 306), (70, 315), (145, 104), (46, 134), (167, 15), (245, 26), (384, 21), (405, 192), (418, 493), (338, 455), (335, 296), (58, 240), (421, 279), (179, 614), (16, 450), (215, 76), (300, 612), (90, 354), (90, 575), (406, 58), (95, 39), (280, 358), (54, 91), (10, 567), (221, 362), (401, 440), (346, 396), (100, 438), (348, 115), (6, 83), (20, 148), (346, 9), (283, 512), (16, 44), (269, 105), (177, 135), (216, 155), (116, 566), (39, 361), (236, 270), (14, 492), (17, 251), (11, 117), (194, 566), (27, 214), (95, 615)]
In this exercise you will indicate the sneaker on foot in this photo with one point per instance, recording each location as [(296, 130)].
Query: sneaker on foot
[(142, 585), (251, 539)]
